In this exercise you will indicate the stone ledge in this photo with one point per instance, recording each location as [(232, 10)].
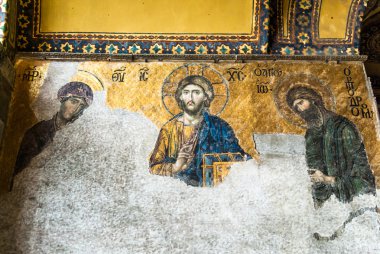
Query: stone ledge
[(169, 57)]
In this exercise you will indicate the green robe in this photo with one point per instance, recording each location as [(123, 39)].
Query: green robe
[(336, 149)]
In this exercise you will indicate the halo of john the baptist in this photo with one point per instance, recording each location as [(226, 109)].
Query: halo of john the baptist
[(282, 86)]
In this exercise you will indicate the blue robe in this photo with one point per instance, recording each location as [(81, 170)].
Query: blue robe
[(216, 136)]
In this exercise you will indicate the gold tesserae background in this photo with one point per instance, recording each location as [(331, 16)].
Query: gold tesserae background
[(164, 16)]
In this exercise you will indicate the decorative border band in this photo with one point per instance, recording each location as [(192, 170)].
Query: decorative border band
[(190, 57)]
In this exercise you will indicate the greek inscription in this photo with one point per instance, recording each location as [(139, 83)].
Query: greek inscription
[(31, 74), (262, 87), (236, 74), (365, 112), (143, 74), (355, 111), (355, 101), (350, 86), (267, 72), (347, 72), (119, 75), (358, 108)]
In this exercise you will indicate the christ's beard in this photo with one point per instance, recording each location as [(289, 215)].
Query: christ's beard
[(193, 111), (312, 116)]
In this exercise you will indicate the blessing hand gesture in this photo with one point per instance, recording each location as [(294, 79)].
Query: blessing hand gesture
[(185, 155)]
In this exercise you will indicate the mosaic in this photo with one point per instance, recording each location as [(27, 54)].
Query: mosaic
[(268, 146), (208, 114)]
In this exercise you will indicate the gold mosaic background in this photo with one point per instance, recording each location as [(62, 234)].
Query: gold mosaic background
[(250, 107), (194, 16)]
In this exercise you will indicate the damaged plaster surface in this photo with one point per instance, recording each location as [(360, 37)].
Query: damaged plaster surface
[(90, 191)]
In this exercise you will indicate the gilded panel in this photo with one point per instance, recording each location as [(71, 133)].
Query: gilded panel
[(211, 27), (191, 17), (333, 23)]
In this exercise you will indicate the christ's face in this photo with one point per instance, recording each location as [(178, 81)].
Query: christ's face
[(193, 98), (71, 108)]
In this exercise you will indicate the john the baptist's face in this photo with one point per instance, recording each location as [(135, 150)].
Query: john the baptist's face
[(71, 108), (301, 105), (193, 98), (308, 111)]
